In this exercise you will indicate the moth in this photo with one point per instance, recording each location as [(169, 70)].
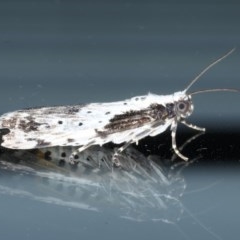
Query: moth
[(122, 122)]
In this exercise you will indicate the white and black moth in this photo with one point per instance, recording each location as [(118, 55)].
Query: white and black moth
[(98, 123)]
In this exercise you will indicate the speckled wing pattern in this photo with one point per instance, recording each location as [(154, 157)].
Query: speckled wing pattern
[(86, 125)]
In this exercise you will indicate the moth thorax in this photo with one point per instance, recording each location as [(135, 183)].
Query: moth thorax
[(184, 107)]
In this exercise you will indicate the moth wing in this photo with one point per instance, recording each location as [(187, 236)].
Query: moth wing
[(60, 126)]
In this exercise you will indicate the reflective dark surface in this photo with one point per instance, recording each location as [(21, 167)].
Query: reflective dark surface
[(70, 52)]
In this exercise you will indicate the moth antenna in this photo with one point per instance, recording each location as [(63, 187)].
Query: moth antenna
[(207, 68), (215, 90)]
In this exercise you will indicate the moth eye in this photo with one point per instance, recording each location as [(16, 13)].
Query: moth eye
[(182, 106)]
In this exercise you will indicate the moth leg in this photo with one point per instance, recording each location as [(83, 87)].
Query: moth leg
[(188, 141), (135, 139), (73, 159), (174, 145), (115, 157), (193, 126)]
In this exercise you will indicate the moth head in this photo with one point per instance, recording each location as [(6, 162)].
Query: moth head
[(184, 107)]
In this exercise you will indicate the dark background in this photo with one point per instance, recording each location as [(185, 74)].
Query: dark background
[(68, 52)]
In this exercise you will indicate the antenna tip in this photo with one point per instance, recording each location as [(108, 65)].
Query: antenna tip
[(208, 67)]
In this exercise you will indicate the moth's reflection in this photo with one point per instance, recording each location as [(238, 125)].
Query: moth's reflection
[(141, 189)]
